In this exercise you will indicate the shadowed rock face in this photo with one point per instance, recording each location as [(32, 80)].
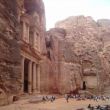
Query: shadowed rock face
[(34, 5), (10, 34), (81, 51), (9, 48)]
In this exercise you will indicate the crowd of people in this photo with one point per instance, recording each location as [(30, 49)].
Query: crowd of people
[(99, 107), (78, 97), (48, 98)]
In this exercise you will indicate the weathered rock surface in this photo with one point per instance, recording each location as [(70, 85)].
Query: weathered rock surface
[(11, 13), (77, 50), (9, 51), (81, 52), (9, 47), (104, 27), (66, 78)]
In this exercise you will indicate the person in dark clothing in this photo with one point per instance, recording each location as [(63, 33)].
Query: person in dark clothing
[(98, 107), (67, 98), (43, 99), (47, 98), (53, 98), (89, 106)]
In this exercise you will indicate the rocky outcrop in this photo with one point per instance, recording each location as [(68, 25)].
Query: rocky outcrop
[(52, 44), (104, 27), (81, 50), (75, 52), (11, 15), (9, 47), (66, 78), (10, 83)]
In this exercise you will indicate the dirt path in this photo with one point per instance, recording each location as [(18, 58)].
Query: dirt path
[(59, 104)]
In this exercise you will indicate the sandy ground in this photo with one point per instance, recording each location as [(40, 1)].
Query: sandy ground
[(59, 104)]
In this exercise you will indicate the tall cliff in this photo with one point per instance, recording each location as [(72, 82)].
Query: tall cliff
[(11, 12), (9, 47), (82, 49)]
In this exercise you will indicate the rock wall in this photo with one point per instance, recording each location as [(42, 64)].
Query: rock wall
[(66, 67), (76, 50), (36, 10), (10, 39), (9, 48), (81, 53), (104, 27)]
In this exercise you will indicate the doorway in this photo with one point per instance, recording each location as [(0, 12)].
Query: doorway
[(84, 85), (26, 63)]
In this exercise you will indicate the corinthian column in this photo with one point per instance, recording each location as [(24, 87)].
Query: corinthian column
[(34, 78), (38, 75), (30, 77)]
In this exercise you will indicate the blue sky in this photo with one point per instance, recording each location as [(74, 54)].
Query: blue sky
[(57, 10)]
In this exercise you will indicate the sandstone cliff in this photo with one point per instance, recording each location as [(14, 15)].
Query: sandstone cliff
[(77, 50), (9, 47), (81, 51), (10, 43)]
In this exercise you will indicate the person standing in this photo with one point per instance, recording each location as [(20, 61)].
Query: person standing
[(43, 99), (67, 97)]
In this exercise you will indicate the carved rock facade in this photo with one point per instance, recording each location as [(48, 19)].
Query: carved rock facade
[(22, 47), (34, 61)]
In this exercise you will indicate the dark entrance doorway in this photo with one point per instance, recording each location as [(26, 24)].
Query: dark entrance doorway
[(26, 63), (84, 85)]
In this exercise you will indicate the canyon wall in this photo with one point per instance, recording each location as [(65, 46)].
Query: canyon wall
[(9, 47), (75, 52), (12, 12), (83, 53)]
